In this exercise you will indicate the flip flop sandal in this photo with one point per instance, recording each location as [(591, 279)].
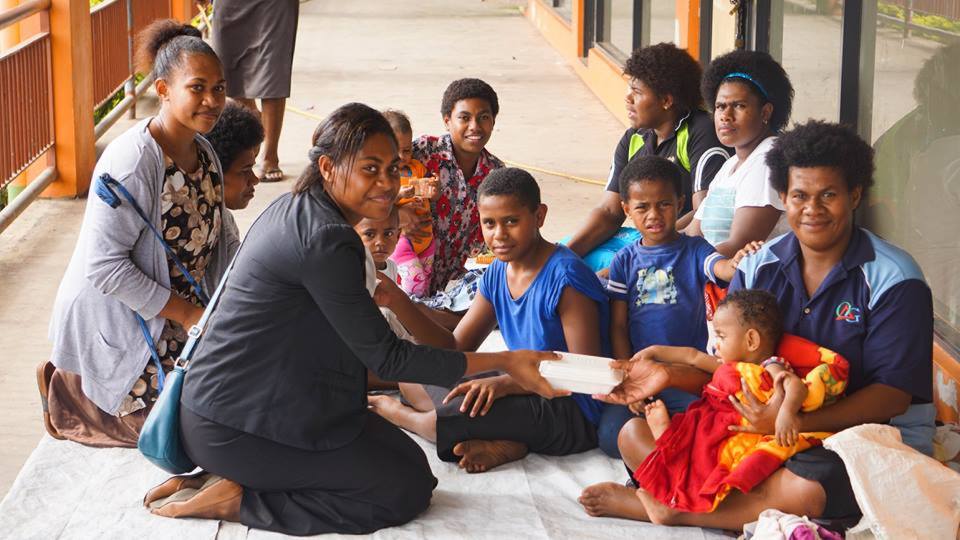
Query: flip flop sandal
[(184, 494), (44, 374), (273, 174)]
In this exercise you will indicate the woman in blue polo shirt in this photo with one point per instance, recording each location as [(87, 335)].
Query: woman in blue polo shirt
[(840, 286)]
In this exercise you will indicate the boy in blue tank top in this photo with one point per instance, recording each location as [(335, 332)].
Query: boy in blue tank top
[(544, 298)]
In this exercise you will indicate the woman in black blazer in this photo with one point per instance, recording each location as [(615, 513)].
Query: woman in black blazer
[(275, 399)]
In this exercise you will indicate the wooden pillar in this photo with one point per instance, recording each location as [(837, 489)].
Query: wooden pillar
[(9, 36), (72, 68), (182, 10), (688, 25)]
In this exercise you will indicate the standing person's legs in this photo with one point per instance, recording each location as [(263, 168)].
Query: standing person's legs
[(272, 118), (270, 113), (380, 479)]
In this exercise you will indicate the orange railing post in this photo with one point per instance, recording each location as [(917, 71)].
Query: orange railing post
[(182, 10), (72, 97)]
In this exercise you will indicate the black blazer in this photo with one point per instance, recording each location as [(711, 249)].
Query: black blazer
[(286, 352)]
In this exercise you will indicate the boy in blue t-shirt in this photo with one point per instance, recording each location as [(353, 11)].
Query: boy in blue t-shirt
[(656, 284), (544, 298)]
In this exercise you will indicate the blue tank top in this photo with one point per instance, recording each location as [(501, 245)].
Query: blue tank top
[(532, 322)]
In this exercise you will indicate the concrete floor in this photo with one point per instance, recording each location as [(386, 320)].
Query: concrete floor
[(386, 54)]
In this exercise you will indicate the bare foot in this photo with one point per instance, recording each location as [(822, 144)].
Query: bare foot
[(387, 407), (219, 500), (659, 513), (609, 499), (423, 424), (658, 418), (481, 456)]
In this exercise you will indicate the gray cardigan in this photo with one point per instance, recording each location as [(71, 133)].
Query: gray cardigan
[(119, 267)]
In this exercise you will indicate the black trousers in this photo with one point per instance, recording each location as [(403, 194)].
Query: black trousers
[(379, 480), (553, 427)]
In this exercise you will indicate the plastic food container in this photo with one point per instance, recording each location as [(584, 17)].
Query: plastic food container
[(581, 373)]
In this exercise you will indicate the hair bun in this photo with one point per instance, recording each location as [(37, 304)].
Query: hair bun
[(157, 34)]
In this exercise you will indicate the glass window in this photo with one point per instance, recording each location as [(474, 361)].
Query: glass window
[(564, 8), (663, 21), (723, 34), (915, 131), (618, 25), (810, 43)]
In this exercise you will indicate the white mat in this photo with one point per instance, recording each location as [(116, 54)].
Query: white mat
[(66, 490)]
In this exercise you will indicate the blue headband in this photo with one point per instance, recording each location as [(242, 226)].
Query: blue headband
[(741, 75)]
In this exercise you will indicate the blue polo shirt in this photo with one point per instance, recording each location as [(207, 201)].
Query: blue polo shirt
[(874, 308)]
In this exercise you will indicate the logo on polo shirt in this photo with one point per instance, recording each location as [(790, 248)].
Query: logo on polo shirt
[(848, 313)]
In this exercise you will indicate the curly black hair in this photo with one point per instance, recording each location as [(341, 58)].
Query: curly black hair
[(821, 144), (757, 309), (650, 168), (512, 182), (238, 129), (667, 69), (468, 89), (764, 70)]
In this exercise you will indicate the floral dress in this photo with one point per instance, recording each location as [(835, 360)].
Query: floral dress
[(190, 221), (456, 218)]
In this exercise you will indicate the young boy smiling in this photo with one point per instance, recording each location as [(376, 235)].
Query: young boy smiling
[(543, 297), (461, 162)]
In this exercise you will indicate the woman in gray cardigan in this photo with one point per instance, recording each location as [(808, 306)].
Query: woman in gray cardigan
[(106, 376)]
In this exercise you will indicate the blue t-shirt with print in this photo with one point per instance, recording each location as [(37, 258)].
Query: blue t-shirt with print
[(663, 288), (532, 322)]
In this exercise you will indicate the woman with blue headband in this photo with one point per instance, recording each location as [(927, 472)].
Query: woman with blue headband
[(751, 96)]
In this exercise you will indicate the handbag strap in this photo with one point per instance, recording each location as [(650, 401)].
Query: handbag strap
[(105, 191), (196, 331)]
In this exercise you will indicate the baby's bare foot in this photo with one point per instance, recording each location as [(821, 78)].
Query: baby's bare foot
[(609, 499), (659, 513), (481, 456), (658, 417)]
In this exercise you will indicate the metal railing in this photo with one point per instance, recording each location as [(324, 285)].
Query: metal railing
[(27, 109), (949, 9), (26, 131), (111, 55), (146, 11)]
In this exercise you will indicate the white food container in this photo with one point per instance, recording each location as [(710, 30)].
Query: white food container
[(581, 373)]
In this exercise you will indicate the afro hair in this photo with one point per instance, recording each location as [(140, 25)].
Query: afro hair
[(461, 89), (238, 129), (821, 144), (667, 69), (764, 70)]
